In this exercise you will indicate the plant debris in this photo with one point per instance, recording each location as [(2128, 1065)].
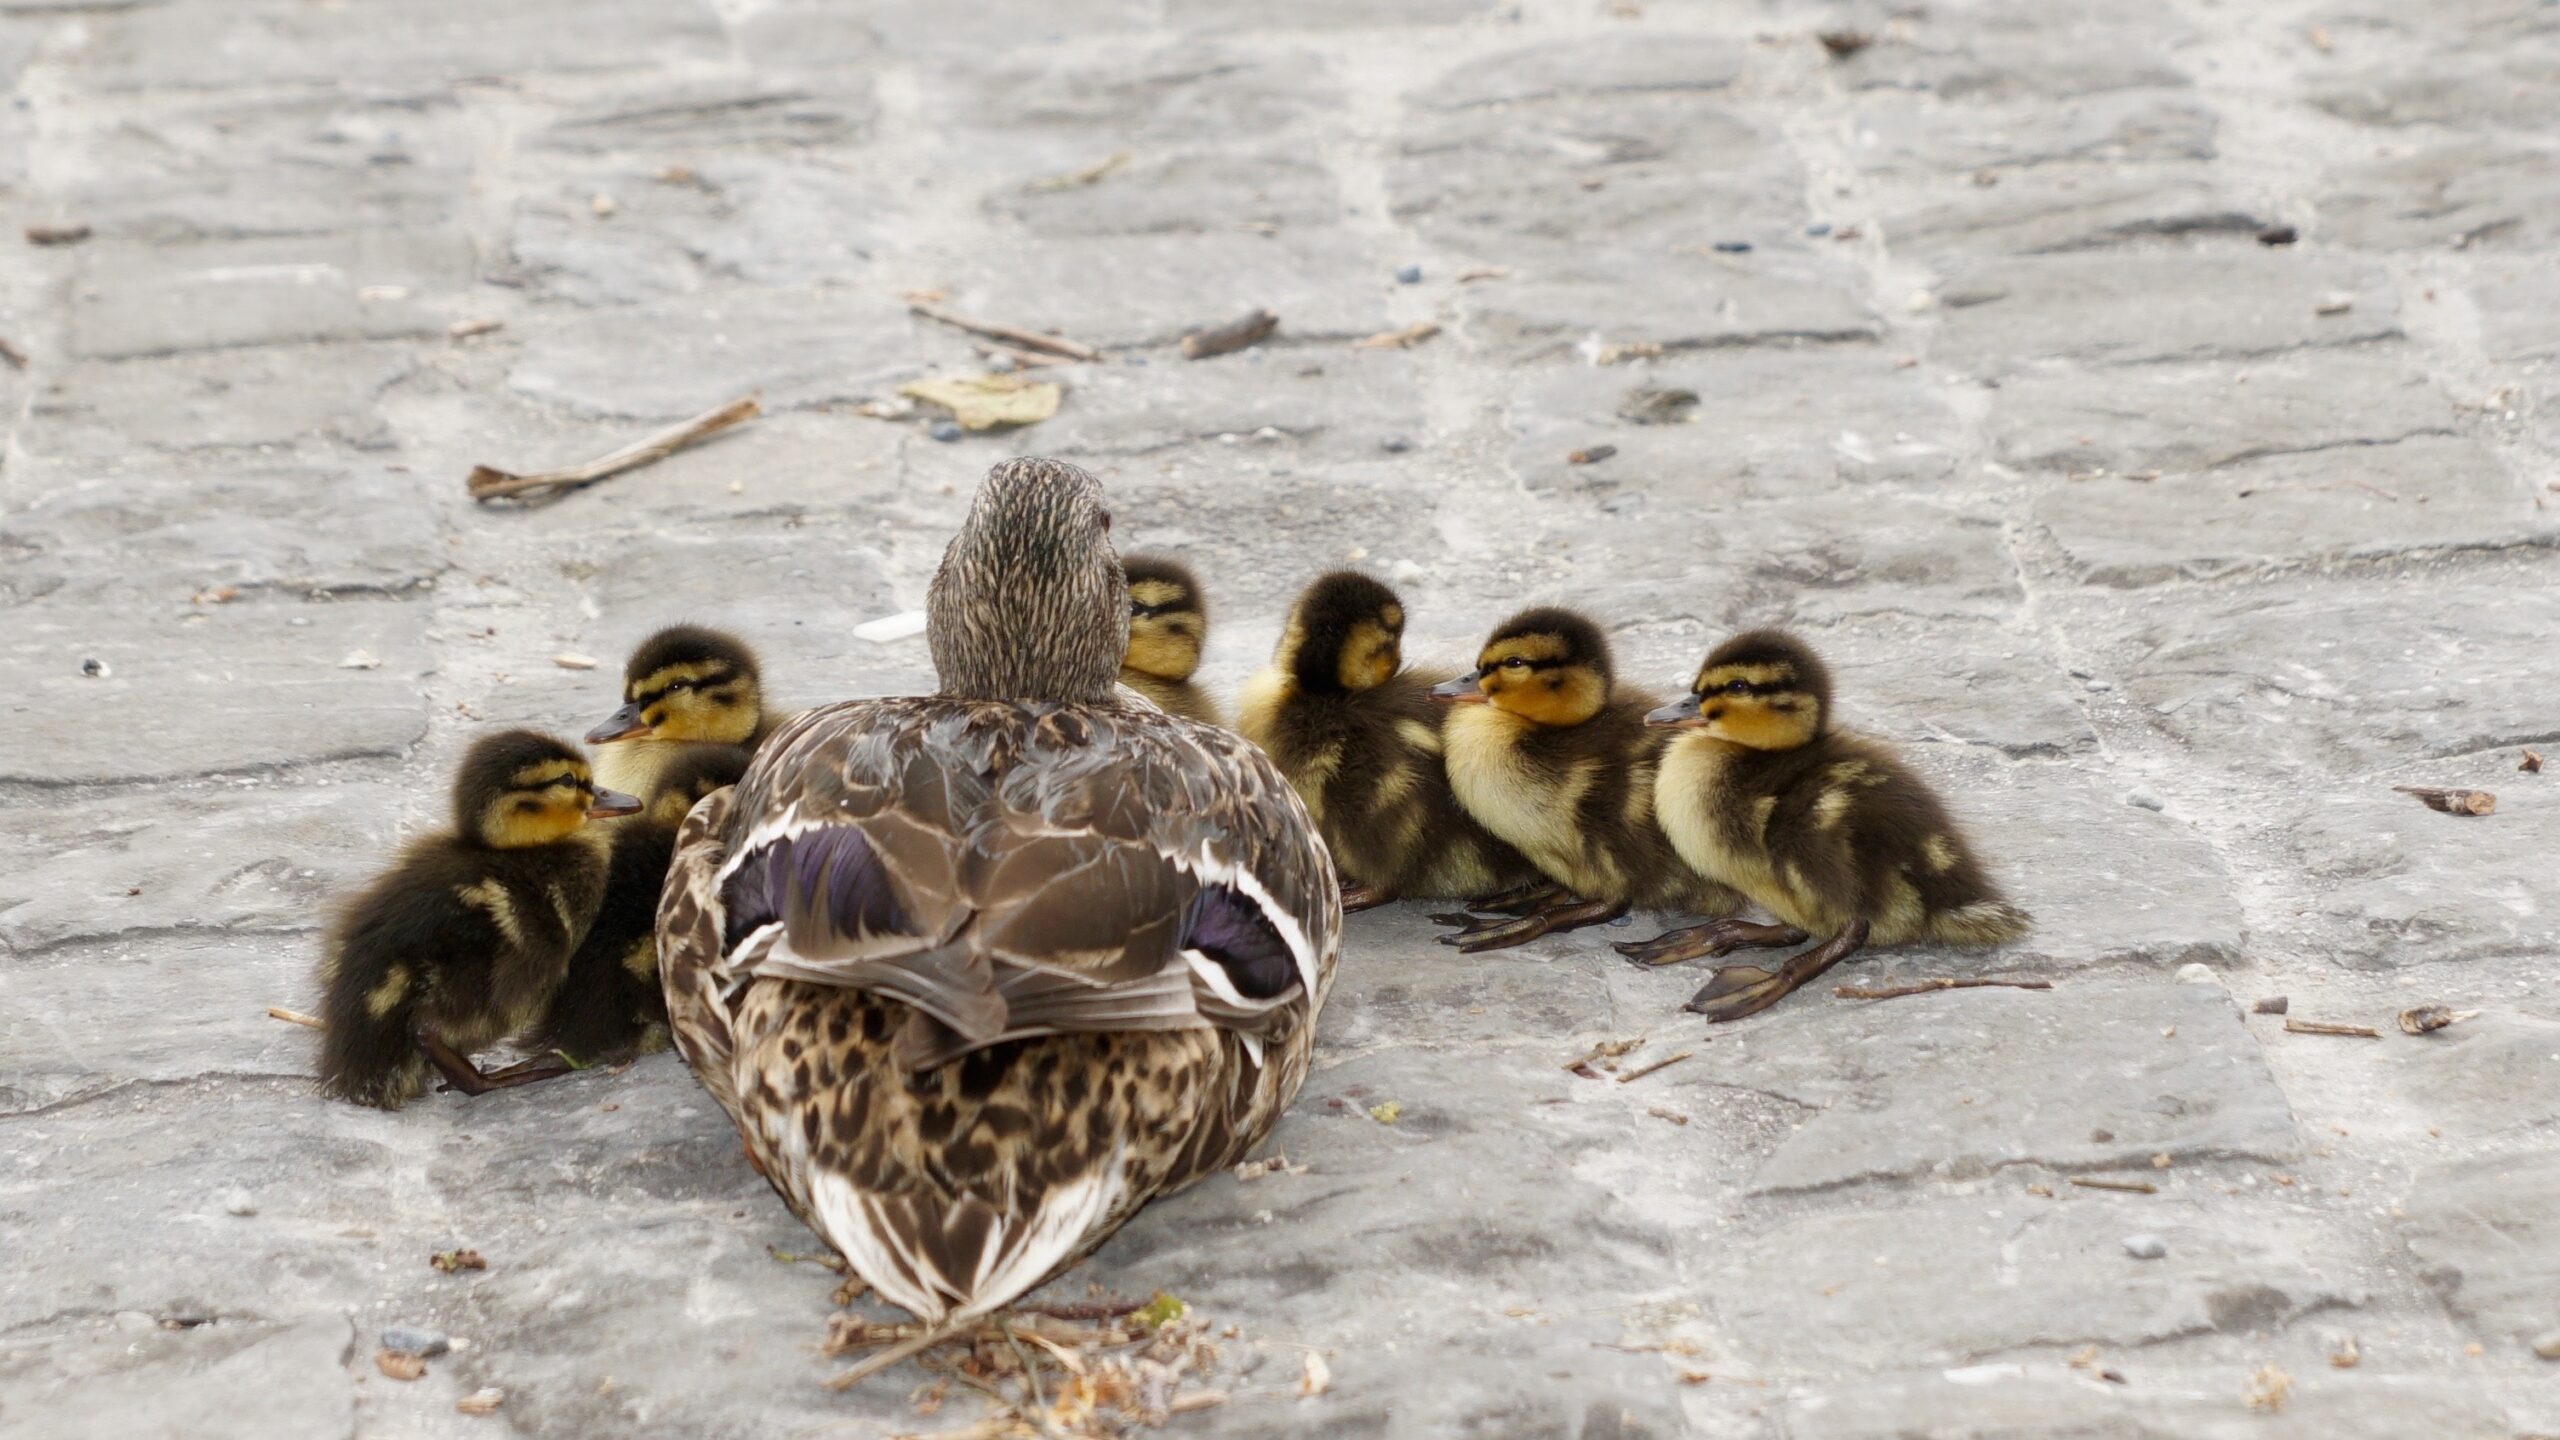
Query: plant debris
[(2345, 1354), (819, 1258), (1474, 273), (295, 1017), (1314, 1377), (1252, 329), (1011, 335), (570, 660), (1404, 339), (2426, 1019), (490, 483), (988, 402), (484, 1401), (2451, 802), (16, 357), (452, 1261), (2268, 1389), (400, 1364), (1078, 179), (1274, 1165), (1664, 1063), (1067, 1382), (2275, 235), (2326, 1027), (1841, 44), (360, 660), (2129, 1187), (1931, 987), (1652, 405), (465, 329), (1674, 1116), (215, 595), (2531, 764), (1603, 1050), (1386, 1112), (2272, 1005), (1592, 456), (57, 234)]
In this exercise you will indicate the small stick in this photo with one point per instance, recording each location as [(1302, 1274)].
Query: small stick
[(487, 483), (883, 1359), (1011, 335), (1027, 359), (57, 234), (1665, 1063), (2130, 1187), (295, 1017), (1930, 987), (1604, 1050), (1404, 339), (1234, 335), (17, 359), (2451, 802), (2324, 1027), (1085, 1310)]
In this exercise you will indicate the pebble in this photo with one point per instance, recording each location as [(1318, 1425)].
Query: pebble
[(1409, 275), (1733, 247), (2145, 1247), (2101, 686), (412, 1340), (2547, 1344), (2197, 973), (237, 1202), (2272, 1005), (945, 431), (2144, 800), (96, 669), (1395, 444), (1818, 229)]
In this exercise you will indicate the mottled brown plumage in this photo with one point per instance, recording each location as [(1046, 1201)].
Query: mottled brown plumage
[(1168, 628), (1827, 830), (979, 974), (1359, 736)]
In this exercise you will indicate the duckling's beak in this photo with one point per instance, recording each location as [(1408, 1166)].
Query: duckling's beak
[(622, 724), (1463, 690), (1680, 714), (609, 803)]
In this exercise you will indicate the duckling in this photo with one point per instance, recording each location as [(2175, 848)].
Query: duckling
[(1358, 735), (1168, 628), (685, 683), (1824, 829), (610, 1005), (1548, 753), (464, 940), (980, 973)]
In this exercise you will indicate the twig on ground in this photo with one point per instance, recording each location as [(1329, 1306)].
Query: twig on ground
[(1009, 334), (1026, 359), (1664, 1063), (488, 483), (57, 234), (1928, 987), (1084, 1310), (1404, 339), (16, 357), (2130, 1187), (2325, 1027), (295, 1017), (2451, 802), (1234, 335), (1603, 1050), (1077, 179)]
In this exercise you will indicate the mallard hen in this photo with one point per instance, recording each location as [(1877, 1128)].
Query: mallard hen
[(980, 973)]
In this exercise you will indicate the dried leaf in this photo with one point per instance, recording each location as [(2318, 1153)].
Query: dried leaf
[(988, 402), (1386, 1111), (2451, 802), (2345, 1354), (361, 660), (450, 1261), (2267, 1389), (399, 1364), (2531, 764), (1159, 1312), (1315, 1378), (484, 1401), (2427, 1018), (1592, 455)]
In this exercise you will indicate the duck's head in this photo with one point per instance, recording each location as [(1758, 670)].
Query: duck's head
[(520, 788), (1764, 689), (1168, 617), (1029, 603), (687, 683), (1346, 633), (1548, 665)]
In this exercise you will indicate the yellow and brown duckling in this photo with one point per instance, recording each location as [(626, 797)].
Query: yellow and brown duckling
[(1824, 829), (686, 684), (1552, 756), (1358, 735), (1168, 628), (611, 1006), (465, 940)]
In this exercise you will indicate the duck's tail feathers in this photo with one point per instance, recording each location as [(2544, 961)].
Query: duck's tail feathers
[(1984, 922), (368, 1046)]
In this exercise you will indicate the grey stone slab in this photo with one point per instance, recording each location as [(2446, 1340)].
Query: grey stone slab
[(1769, 425), (784, 468), (2510, 86), (1629, 63), (2486, 1240), (263, 859), (180, 530), (2003, 1402), (796, 593), (1962, 1280), (1912, 1089), (1140, 97), (90, 1021), (2462, 1081), (249, 1379), (2202, 417), (1279, 405), (401, 45), (1906, 133), (1193, 191), (2040, 212), (369, 285), (1214, 16), (1138, 290), (656, 119), (1685, 302), (2392, 891), (2222, 304), (1227, 509), (2518, 301), (2424, 493), (2009, 50), (277, 686), (2495, 194), (2341, 677), (798, 347), (266, 398), (978, 31)]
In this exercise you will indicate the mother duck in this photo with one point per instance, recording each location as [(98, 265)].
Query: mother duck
[(978, 974)]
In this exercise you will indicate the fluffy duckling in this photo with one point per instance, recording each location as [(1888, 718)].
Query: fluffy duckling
[(610, 1005), (1551, 756), (464, 941), (685, 684), (1824, 829), (1358, 735), (1168, 627)]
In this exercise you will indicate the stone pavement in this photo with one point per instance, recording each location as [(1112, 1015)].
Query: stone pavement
[(2166, 552)]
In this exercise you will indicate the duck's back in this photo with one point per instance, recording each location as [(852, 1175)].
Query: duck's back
[(977, 979)]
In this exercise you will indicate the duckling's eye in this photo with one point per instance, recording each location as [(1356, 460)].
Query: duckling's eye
[(1736, 687), (1515, 663)]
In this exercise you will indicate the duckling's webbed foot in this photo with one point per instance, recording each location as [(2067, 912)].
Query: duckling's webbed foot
[(1740, 990), (549, 1065), (1716, 937), (1520, 899), (460, 1074), (1569, 914), (1361, 895)]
